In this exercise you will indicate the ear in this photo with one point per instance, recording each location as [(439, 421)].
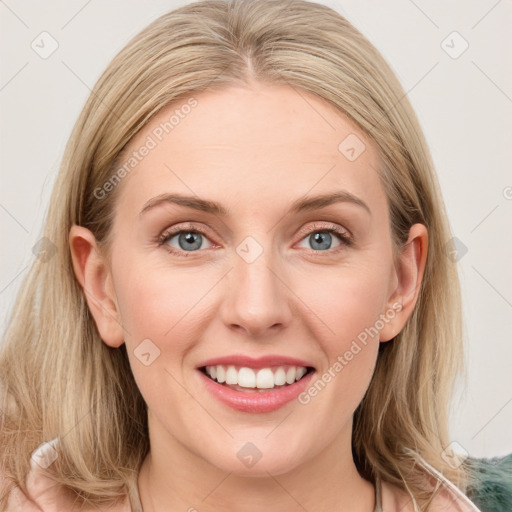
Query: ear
[(407, 277), (93, 273)]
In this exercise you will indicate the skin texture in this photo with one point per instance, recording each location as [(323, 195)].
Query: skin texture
[(255, 150)]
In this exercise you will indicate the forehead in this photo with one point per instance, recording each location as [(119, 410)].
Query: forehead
[(260, 143)]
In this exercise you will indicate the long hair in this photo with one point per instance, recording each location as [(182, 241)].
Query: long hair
[(60, 379)]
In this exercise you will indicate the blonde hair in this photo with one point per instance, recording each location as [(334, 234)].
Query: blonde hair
[(60, 379)]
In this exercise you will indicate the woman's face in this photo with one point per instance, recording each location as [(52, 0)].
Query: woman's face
[(254, 277)]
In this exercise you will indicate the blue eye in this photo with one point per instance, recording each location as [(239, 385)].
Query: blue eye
[(322, 239), (191, 240), (188, 240)]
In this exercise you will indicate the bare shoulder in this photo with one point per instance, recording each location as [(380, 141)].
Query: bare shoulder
[(445, 500), (394, 498), (448, 501)]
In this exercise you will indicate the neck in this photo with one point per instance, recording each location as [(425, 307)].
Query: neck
[(173, 478)]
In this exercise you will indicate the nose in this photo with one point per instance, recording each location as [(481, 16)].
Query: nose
[(257, 299)]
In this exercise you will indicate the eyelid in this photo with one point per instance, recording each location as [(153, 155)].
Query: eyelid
[(171, 232), (316, 226)]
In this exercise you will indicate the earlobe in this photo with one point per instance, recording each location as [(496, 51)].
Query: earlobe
[(409, 271), (94, 276)]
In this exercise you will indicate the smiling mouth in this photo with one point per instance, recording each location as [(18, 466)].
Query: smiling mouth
[(256, 380)]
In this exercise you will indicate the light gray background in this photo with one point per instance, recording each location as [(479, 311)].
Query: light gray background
[(464, 105)]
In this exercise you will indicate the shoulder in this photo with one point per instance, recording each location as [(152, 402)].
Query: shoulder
[(444, 500), (448, 501)]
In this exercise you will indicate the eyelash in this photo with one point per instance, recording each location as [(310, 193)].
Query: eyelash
[(343, 237)]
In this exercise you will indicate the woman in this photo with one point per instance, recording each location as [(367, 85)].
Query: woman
[(249, 305)]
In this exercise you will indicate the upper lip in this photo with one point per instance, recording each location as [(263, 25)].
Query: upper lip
[(255, 362)]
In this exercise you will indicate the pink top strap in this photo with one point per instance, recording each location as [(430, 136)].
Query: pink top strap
[(44, 495)]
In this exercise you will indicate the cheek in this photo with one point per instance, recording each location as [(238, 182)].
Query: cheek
[(154, 315), (348, 301), (163, 312), (153, 312), (154, 303)]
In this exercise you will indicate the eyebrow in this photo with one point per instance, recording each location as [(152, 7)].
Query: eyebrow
[(300, 205)]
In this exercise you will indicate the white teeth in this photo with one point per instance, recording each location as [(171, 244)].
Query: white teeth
[(231, 375), (301, 371), (221, 374), (290, 375), (264, 378), (280, 377), (246, 378)]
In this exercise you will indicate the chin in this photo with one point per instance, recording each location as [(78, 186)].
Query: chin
[(250, 462)]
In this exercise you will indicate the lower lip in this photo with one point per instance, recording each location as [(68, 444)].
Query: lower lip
[(256, 401)]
